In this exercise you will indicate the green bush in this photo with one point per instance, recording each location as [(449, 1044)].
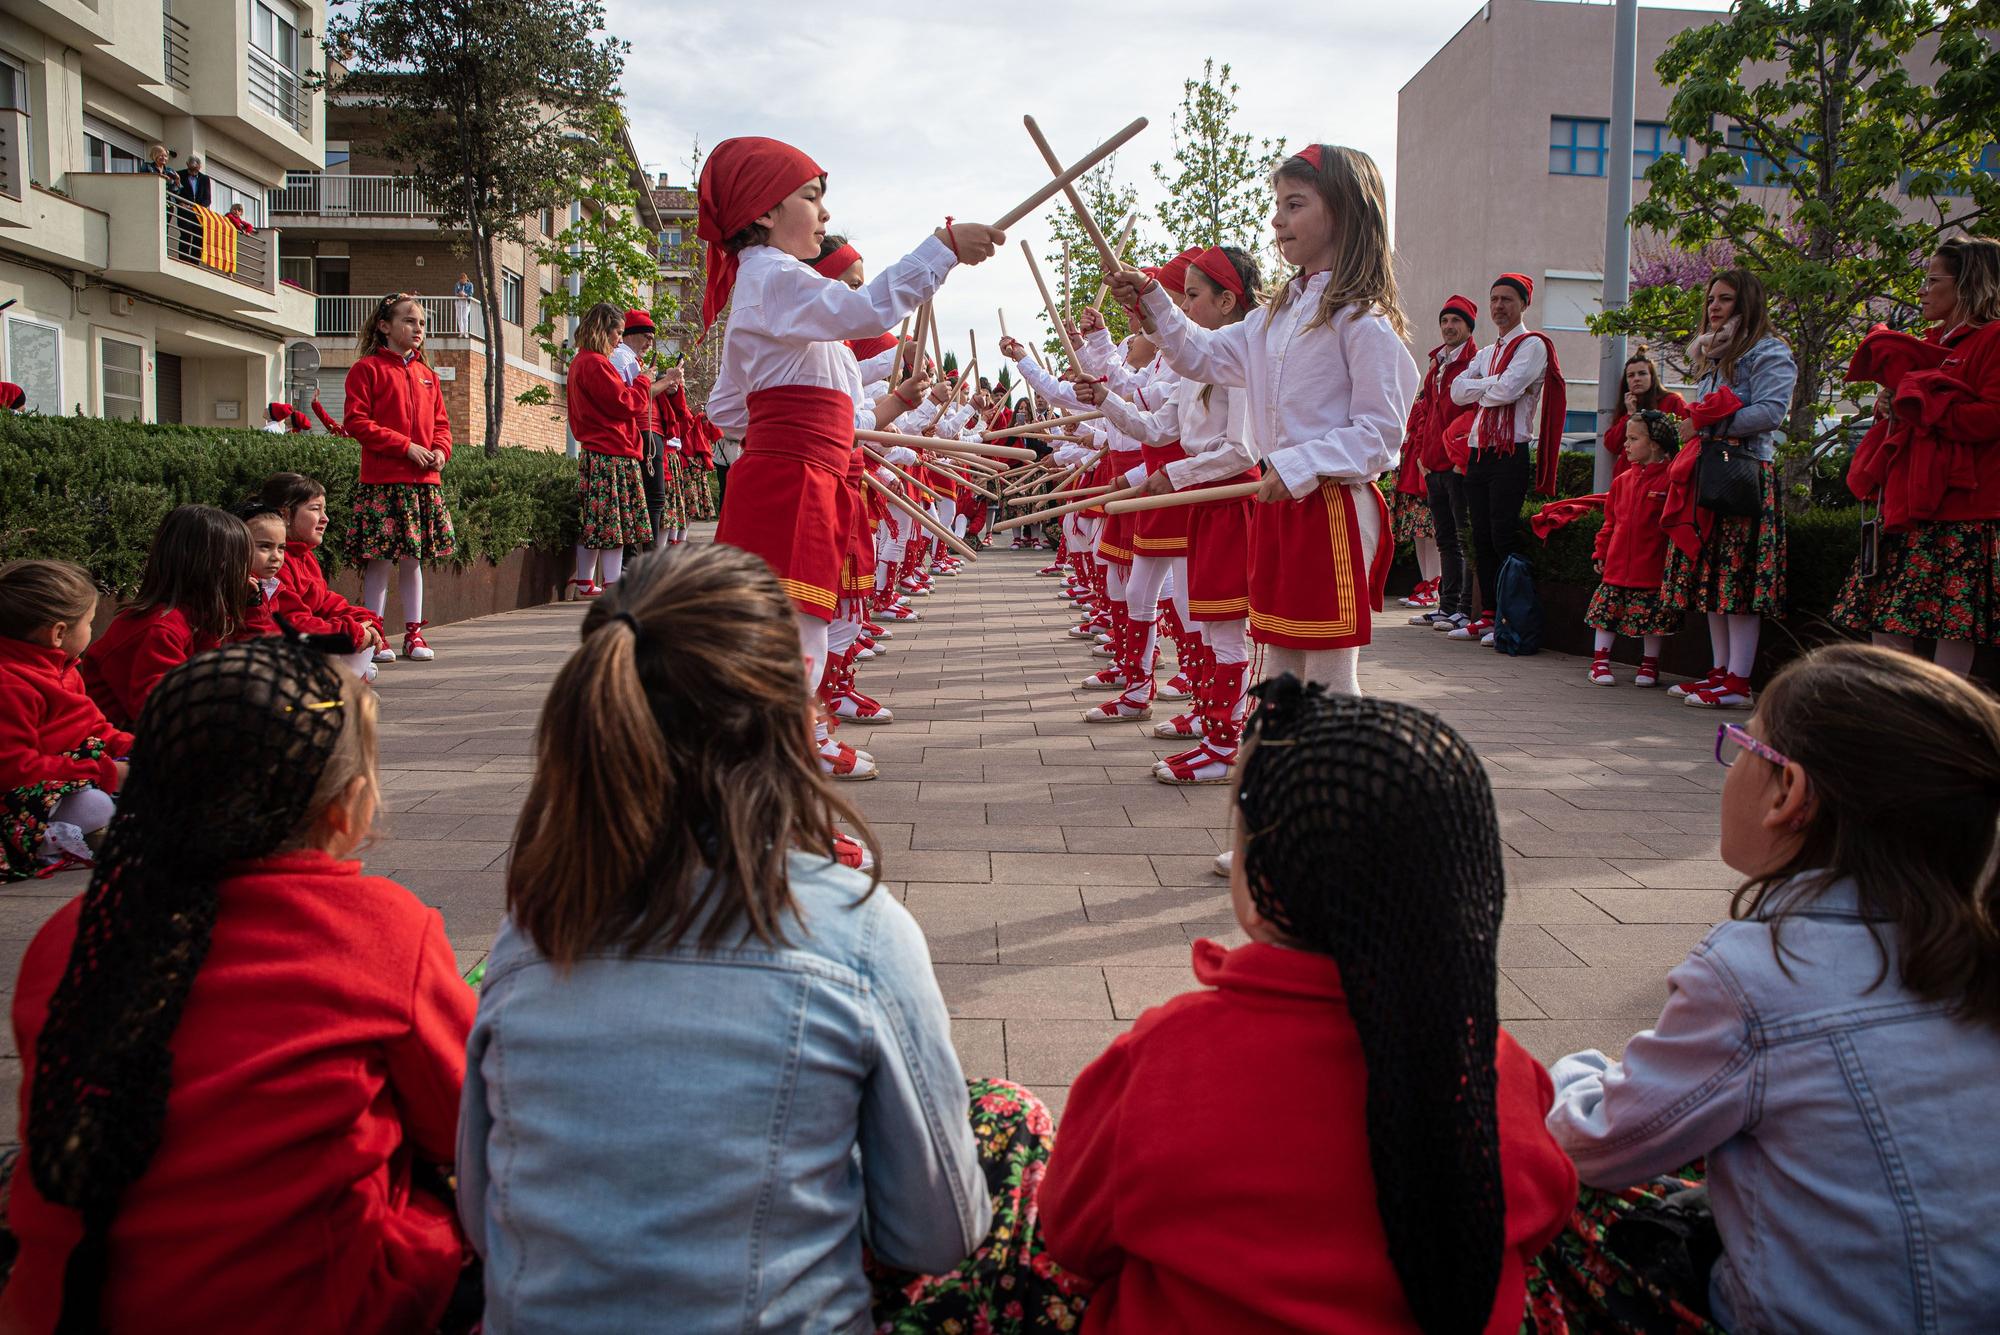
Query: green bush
[(93, 491)]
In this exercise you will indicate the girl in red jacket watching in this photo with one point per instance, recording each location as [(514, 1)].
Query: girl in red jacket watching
[(242, 1058), (1632, 552), (195, 594), (1643, 390), (605, 411), (1336, 1136), (396, 411), (303, 599), (60, 759)]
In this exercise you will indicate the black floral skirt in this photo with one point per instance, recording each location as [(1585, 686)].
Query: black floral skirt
[(611, 502), (1634, 612), (394, 521), (1741, 568), (25, 812), (1579, 1286), (1936, 582), (1008, 1286), (1411, 518)]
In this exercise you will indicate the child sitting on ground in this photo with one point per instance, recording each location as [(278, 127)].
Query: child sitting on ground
[(303, 598), (1632, 552), (1831, 1049), (61, 761), (242, 1057), (267, 559), (194, 595), (1337, 1135)]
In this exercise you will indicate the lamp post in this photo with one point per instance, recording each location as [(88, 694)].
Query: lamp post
[(1617, 285)]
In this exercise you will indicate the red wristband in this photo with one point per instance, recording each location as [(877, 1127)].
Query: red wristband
[(949, 239)]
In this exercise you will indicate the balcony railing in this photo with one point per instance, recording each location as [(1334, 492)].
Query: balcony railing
[(174, 38), (337, 196), (256, 252), (13, 152), (277, 91), (444, 317)]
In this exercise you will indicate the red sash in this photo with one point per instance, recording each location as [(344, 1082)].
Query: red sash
[(1311, 586), (1161, 532), (788, 498), (1495, 429)]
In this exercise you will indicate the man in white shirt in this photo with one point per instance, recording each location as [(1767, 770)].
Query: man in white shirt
[(1499, 470)]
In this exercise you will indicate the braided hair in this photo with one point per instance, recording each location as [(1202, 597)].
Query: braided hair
[(104, 1060), (1413, 925)]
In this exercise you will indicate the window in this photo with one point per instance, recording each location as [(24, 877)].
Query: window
[(122, 379), (34, 362), (338, 155), (670, 238), (13, 84), (1576, 146), (274, 33), (110, 150), (1579, 421), (510, 296), (1568, 300), (1759, 167), (1650, 143), (548, 222), (227, 187), (542, 312)]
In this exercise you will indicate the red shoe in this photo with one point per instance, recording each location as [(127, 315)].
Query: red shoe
[(1205, 764), (414, 646), (585, 588), (1648, 674), (851, 706), (851, 853), (1181, 727), (1055, 569), (1732, 692), (1600, 669), (901, 612), (1178, 687), (1687, 688), (838, 760)]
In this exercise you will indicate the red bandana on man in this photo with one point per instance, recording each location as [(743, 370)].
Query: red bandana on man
[(1496, 425), (741, 181)]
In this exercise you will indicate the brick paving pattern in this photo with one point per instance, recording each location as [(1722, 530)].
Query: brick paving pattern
[(1059, 885)]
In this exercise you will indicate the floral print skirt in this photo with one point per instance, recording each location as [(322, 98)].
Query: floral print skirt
[(1008, 1286), (25, 812), (1935, 582), (699, 502), (1741, 568), (1634, 612), (1578, 1286), (611, 499), (394, 521), (1411, 516)]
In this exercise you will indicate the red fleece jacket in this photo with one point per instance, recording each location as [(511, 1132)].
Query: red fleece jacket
[(392, 404), (44, 712)]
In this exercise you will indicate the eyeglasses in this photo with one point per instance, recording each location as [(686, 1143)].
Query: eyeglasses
[(1732, 740)]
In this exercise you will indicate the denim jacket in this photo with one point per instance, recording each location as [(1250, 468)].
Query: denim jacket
[(1765, 378), (703, 1142), (1852, 1161)]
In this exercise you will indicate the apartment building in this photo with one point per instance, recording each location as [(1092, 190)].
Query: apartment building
[(356, 230), (118, 308)]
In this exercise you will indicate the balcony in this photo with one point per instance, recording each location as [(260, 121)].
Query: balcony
[(13, 153), (174, 46), (277, 91), (311, 204), (250, 261), (445, 318)]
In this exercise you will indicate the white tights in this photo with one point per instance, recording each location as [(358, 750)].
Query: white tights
[(1428, 562), (586, 563), (1227, 639), (1154, 578), (813, 645), (409, 587), (1732, 641), (1649, 645), (1951, 655)]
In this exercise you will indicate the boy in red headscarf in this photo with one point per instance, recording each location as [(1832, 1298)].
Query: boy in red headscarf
[(787, 383)]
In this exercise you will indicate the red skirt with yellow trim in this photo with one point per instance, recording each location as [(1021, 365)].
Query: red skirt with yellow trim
[(1162, 532), (1218, 563), (1310, 586), (1114, 544), (857, 565), (788, 495)]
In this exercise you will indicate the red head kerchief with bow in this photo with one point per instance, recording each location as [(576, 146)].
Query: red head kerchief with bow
[(742, 180)]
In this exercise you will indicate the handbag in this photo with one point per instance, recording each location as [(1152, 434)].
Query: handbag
[(1728, 478)]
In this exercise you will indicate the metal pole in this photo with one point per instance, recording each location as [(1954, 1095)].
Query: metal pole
[(1617, 231)]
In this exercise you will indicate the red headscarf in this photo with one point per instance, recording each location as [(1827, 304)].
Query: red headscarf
[(1217, 266), (1173, 274), (741, 180), (12, 396), (838, 263), (278, 412)]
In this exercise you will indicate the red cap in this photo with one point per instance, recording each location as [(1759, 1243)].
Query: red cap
[(1521, 283), (278, 412), (638, 322), (838, 263), (1464, 307), (12, 396), (300, 422), (1217, 266), (741, 180)]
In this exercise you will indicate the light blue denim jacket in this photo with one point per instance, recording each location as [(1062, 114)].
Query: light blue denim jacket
[(1853, 1161), (700, 1143), (1765, 378)]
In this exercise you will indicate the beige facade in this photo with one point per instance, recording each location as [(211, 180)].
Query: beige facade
[(119, 310)]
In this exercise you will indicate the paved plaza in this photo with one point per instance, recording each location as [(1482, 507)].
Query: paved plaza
[(1058, 883)]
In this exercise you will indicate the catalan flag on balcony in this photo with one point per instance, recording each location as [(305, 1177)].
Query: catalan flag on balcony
[(218, 240)]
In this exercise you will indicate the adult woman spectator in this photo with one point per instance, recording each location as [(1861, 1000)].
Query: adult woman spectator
[(1931, 464), (1643, 390)]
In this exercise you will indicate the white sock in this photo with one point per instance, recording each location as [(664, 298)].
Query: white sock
[(375, 586), (1428, 562), (1743, 631), (1887, 640), (1651, 645), (614, 564), (410, 585), (1955, 656), (1604, 640), (586, 564)]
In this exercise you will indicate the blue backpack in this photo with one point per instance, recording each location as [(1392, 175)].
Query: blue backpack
[(1517, 611)]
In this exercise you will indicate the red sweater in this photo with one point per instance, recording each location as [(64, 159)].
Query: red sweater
[(322, 1049), (1632, 546), (392, 404), (1673, 405), (125, 663), (604, 411), (44, 711), (311, 608), (1431, 413), (1212, 1173)]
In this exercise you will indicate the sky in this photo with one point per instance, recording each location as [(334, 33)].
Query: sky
[(916, 116)]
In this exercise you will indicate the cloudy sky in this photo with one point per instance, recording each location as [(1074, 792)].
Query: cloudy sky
[(915, 116)]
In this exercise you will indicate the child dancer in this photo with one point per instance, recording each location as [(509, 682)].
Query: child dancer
[(605, 413), (235, 1039), (1367, 1150), (1329, 384), (396, 411), (303, 598), (1211, 423), (1632, 551), (787, 382), (61, 760), (194, 594)]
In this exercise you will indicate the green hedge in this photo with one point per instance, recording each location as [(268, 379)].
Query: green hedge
[(93, 491)]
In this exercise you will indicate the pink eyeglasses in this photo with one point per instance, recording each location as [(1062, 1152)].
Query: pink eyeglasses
[(1725, 755)]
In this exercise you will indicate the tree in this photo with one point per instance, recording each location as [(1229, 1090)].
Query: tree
[(1218, 196), (1825, 166), (1111, 204), (492, 107)]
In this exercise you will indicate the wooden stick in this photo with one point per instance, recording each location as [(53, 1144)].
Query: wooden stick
[(937, 346), (1081, 167), (1075, 493), (944, 447), (978, 452), (1068, 292), (1048, 304), (1193, 496), (897, 365), (1104, 251), (1037, 428), (977, 490), (1124, 244), (1003, 323), (917, 354), (921, 516), (901, 474), (1083, 467), (1061, 510)]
